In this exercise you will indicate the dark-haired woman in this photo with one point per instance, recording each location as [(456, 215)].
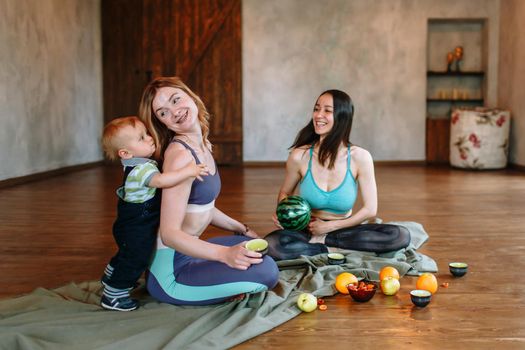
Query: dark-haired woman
[(327, 170)]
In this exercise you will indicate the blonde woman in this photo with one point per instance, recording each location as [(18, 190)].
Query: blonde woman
[(187, 270)]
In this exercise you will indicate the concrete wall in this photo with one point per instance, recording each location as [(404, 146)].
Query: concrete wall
[(373, 49), (51, 76), (50, 85), (512, 74)]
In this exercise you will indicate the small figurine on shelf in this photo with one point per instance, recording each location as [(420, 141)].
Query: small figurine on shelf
[(450, 60), (458, 55)]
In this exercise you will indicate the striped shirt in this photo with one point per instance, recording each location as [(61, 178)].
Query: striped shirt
[(136, 189)]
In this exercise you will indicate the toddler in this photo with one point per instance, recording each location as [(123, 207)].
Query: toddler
[(138, 211)]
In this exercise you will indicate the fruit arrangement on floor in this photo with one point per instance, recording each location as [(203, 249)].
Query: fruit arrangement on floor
[(389, 284)]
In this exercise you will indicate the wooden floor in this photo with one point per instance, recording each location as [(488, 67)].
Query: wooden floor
[(59, 230)]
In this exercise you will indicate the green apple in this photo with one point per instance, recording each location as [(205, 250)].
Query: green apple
[(307, 302), (390, 286)]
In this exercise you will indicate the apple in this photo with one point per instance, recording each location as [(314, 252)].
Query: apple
[(390, 286), (307, 302)]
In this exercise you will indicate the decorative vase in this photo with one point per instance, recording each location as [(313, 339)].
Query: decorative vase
[(458, 56)]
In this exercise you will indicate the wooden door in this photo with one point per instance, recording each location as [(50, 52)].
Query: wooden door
[(200, 41), (123, 78)]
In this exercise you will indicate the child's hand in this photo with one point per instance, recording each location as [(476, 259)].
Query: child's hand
[(200, 170)]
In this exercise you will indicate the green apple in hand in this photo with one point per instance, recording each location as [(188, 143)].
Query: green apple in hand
[(307, 302), (390, 286)]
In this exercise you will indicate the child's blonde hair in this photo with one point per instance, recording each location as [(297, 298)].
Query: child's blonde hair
[(111, 143)]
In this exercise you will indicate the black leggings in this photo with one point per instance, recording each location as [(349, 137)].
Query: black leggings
[(377, 238)]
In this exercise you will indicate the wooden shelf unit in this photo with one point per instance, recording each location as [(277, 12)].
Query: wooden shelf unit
[(450, 89), (451, 100), (431, 73)]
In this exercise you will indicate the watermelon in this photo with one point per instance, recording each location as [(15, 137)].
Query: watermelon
[(293, 213)]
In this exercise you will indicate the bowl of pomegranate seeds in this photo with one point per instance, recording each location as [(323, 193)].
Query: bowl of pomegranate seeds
[(362, 291)]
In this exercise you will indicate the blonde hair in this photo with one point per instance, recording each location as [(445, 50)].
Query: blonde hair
[(111, 142), (160, 133)]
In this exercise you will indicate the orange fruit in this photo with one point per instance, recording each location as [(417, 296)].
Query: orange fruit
[(427, 281), (344, 279), (388, 271)]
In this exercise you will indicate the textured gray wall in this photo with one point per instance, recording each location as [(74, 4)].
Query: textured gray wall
[(374, 50), (512, 74), (50, 85)]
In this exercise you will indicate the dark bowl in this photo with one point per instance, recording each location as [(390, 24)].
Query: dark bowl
[(363, 295), (336, 258), (420, 298), (263, 252), (458, 269)]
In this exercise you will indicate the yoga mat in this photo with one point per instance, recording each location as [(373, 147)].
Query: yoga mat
[(70, 317)]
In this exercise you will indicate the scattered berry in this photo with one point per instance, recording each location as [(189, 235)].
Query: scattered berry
[(444, 284), (320, 301)]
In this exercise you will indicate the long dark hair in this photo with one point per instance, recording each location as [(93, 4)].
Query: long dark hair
[(340, 133)]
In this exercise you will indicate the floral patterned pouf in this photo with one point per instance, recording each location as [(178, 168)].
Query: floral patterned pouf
[(479, 138)]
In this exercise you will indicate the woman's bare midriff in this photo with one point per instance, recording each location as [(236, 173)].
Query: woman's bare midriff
[(195, 223), (325, 215)]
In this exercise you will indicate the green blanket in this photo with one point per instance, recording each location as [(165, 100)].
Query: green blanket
[(70, 318)]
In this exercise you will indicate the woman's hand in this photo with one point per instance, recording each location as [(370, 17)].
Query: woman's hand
[(319, 227), (276, 221), (292, 177), (240, 258), (251, 233)]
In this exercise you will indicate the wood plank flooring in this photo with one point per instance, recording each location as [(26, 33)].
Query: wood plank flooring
[(58, 230)]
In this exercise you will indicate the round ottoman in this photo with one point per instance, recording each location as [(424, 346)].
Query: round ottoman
[(479, 138)]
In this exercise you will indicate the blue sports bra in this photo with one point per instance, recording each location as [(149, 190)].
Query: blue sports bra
[(203, 192), (338, 201)]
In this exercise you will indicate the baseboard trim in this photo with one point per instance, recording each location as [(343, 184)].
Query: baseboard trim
[(400, 162), (255, 164), (517, 167), (47, 174)]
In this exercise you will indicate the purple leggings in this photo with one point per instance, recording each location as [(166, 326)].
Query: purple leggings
[(179, 279)]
